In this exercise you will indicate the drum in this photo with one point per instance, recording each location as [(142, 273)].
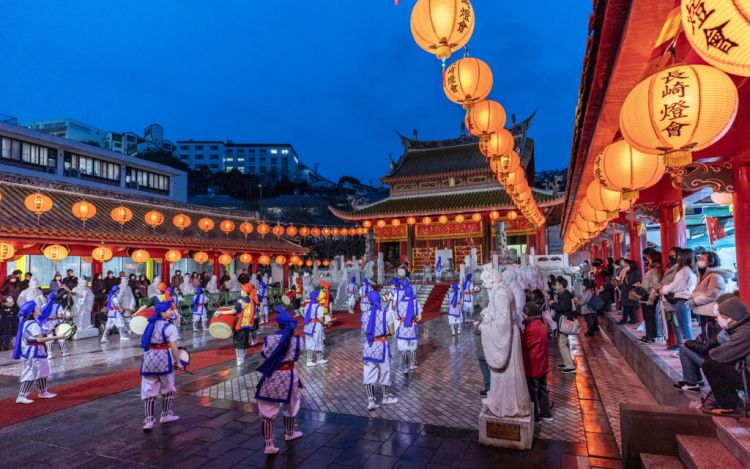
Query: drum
[(401, 273), (67, 314), (222, 325), (139, 320), (327, 320), (184, 356), (65, 329), (224, 310), (287, 298)]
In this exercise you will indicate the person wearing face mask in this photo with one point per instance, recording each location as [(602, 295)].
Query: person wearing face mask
[(56, 283), (712, 282), (721, 366), (563, 307), (678, 292), (630, 276), (648, 304)]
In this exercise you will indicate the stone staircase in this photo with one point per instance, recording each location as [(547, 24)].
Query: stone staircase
[(729, 449)]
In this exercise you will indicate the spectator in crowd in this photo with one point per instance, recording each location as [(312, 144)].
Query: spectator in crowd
[(8, 323), (195, 279), (223, 281), (70, 281), (535, 344), (99, 289), (243, 278), (24, 284), (725, 364), (649, 287), (12, 287), (563, 308), (551, 282), (585, 268), (133, 285), (204, 279), (110, 281), (665, 309), (177, 279), (630, 275), (678, 293), (143, 284), (712, 282), (56, 284), (587, 293)]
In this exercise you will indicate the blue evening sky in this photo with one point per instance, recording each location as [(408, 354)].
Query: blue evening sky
[(336, 79)]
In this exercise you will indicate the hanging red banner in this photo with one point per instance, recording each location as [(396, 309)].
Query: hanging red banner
[(450, 230), (390, 233)]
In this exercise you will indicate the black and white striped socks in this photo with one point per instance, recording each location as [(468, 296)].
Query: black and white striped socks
[(413, 361), (289, 424), (370, 390), (25, 388), (310, 355), (148, 405), (386, 390), (41, 383), (268, 431), (166, 403)]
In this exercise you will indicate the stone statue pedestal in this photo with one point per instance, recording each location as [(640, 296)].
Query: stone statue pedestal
[(90, 331), (506, 432)]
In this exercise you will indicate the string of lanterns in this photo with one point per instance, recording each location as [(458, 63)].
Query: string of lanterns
[(441, 27), (666, 118)]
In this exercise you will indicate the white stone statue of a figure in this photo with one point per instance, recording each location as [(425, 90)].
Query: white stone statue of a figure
[(381, 269), (369, 270), (510, 278), (32, 293), (501, 342), (306, 285), (127, 300), (153, 289), (83, 303), (212, 285), (187, 288), (233, 285)]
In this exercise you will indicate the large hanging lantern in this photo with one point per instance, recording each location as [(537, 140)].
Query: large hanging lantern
[(173, 255), (309, 263), (294, 260), (140, 256), (476, 217), (442, 219), (719, 30), (246, 258), (494, 215), (335, 232), (200, 257), (83, 210), (246, 228), (55, 252), (291, 231), (315, 231), (345, 231), (326, 232), (181, 221), (485, 118), (442, 26), (264, 260), (395, 222), (497, 144), (225, 259), (411, 221), (154, 218), (326, 263), (206, 224), (278, 230), (101, 254), (512, 178), (679, 110), (226, 226), (459, 219), (588, 212), (381, 223), (722, 198), (505, 164), (6, 251), (587, 226), (280, 260), (467, 81), (426, 220), (304, 232), (605, 199), (38, 203), (623, 168), (263, 229), (121, 214)]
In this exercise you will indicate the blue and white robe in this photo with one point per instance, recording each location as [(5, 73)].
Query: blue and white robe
[(280, 385), (33, 354), (314, 333), (455, 301), (377, 356), (407, 336), (157, 366)]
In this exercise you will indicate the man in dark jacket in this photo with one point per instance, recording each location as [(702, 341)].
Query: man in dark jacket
[(110, 281), (563, 307), (25, 282), (723, 367)]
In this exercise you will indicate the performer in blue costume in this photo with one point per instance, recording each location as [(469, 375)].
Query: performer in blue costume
[(376, 352), (468, 295), (407, 332), (200, 310), (314, 334), (455, 303)]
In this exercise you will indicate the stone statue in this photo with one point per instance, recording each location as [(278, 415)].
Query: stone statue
[(127, 300), (212, 285), (153, 289), (32, 293), (306, 285), (381, 269), (369, 272), (83, 303), (501, 342), (510, 278), (187, 288)]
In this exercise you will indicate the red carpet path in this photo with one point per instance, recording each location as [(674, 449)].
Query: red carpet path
[(82, 391)]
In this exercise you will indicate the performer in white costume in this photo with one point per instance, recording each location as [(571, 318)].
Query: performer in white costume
[(468, 295), (55, 312), (376, 352), (438, 268), (200, 309), (351, 291), (314, 334), (407, 331), (263, 297), (455, 303), (114, 316)]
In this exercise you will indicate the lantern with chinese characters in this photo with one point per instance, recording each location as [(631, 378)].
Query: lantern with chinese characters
[(200, 257), (719, 30), (225, 259), (426, 220), (442, 26), (411, 221), (55, 252), (181, 221), (6, 251), (173, 255), (442, 219), (467, 81), (459, 218), (278, 230), (246, 228), (623, 168), (676, 111), (140, 256), (291, 231), (264, 260), (395, 222), (512, 215), (246, 258), (315, 231), (485, 118), (226, 226), (83, 211), (494, 215), (121, 214), (263, 229), (512, 178), (101, 254), (497, 144), (153, 218), (326, 232), (476, 217), (304, 232), (381, 223), (38, 203), (504, 164), (605, 199), (587, 226), (722, 198), (206, 224)]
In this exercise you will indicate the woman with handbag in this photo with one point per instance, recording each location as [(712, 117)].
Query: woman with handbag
[(589, 314), (566, 321), (630, 275), (648, 305), (678, 292), (712, 282)]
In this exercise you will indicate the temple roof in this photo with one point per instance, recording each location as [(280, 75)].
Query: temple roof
[(454, 202), (461, 154), (60, 226)]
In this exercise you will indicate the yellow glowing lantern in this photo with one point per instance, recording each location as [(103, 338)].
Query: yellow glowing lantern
[(485, 118), (291, 231), (304, 232), (335, 232), (206, 224), (326, 232), (719, 30), (459, 218), (264, 260), (173, 255), (587, 226), (181, 221), (426, 220), (442, 219), (477, 217), (263, 229), (381, 223), (512, 215), (411, 221), (278, 230), (140, 256), (38, 203), (246, 258), (498, 144), (623, 168), (6, 251), (315, 232), (309, 263), (294, 260), (55, 252), (225, 259), (101, 254), (367, 224), (512, 178), (246, 228), (326, 263), (83, 210), (442, 26), (505, 164), (588, 212), (494, 215), (154, 218), (396, 222), (678, 110), (722, 198), (467, 81), (345, 231), (200, 257), (226, 226), (121, 214), (605, 199)]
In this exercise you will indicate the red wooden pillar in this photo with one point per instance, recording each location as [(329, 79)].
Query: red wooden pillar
[(285, 281), (253, 266), (3, 271), (541, 240), (616, 246), (165, 274), (672, 234), (635, 243), (741, 201), (96, 268), (217, 266), (604, 249)]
